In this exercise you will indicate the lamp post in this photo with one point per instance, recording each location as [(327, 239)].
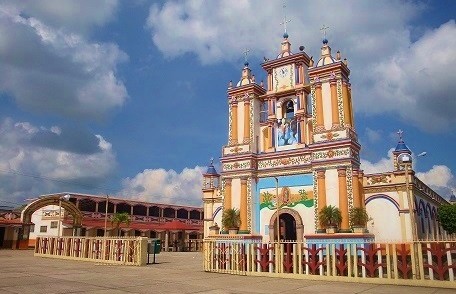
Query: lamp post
[(406, 160), (277, 209), (106, 216), (66, 198)]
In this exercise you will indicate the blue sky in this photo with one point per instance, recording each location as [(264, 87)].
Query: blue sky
[(128, 98)]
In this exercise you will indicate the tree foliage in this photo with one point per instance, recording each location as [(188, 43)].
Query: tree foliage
[(120, 218), (447, 217)]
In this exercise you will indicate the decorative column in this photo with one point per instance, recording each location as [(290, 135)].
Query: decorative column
[(334, 104), (166, 241), (243, 206), (346, 104), (343, 199), (227, 198), (319, 107), (234, 125), (355, 184), (321, 186), (246, 120), (269, 135), (362, 198), (96, 207)]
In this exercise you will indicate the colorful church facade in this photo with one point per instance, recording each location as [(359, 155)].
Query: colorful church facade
[(293, 149)]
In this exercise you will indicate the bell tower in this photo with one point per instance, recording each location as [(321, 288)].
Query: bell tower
[(339, 181)]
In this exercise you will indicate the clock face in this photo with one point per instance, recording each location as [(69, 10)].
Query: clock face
[(283, 72), (284, 77)]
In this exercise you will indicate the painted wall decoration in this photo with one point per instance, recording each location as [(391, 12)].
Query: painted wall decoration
[(287, 197)]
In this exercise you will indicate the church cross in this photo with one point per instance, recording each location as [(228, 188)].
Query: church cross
[(285, 20), (246, 53), (324, 28), (400, 132)]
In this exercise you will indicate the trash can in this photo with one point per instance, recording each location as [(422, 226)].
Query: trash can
[(153, 247)]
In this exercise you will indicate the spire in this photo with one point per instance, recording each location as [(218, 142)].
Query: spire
[(285, 21), (285, 45), (211, 169), (401, 147), (325, 57)]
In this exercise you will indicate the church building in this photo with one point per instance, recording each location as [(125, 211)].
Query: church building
[(293, 151)]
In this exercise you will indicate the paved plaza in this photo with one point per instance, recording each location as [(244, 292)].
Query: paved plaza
[(179, 272)]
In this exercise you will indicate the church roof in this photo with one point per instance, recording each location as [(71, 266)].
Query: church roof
[(211, 169), (401, 147)]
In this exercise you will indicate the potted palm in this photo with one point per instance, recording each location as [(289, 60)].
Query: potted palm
[(330, 218), (358, 219), (231, 220)]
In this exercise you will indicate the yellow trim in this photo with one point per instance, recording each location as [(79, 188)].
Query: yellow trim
[(246, 121), (319, 106), (334, 106), (234, 132), (343, 199), (346, 101), (243, 205)]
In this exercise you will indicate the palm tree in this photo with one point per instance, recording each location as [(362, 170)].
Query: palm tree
[(120, 218)]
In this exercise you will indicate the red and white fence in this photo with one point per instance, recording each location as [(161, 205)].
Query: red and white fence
[(420, 263), (127, 251)]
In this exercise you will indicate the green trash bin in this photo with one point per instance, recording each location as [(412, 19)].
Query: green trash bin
[(157, 246), (153, 247)]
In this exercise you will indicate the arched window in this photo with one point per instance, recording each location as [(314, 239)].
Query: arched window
[(288, 110)]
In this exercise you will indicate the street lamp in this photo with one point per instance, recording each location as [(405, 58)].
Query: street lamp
[(66, 198), (406, 160), (277, 209)]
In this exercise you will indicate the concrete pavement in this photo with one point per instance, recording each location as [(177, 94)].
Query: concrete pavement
[(177, 272)]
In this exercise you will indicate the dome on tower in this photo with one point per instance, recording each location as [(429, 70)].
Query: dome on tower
[(211, 169), (401, 147), (246, 77), (452, 198), (326, 57)]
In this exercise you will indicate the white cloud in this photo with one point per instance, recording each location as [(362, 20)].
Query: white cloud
[(383, 165), (49, 70), (25, 166), (166, 186), (71, 15), (415, 82), (439, 176), (388, 70)]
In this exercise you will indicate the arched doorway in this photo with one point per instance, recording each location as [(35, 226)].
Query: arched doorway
[(291, 227)]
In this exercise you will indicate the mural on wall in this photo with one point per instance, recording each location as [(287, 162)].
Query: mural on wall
[(287, 131), (287, 197)]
